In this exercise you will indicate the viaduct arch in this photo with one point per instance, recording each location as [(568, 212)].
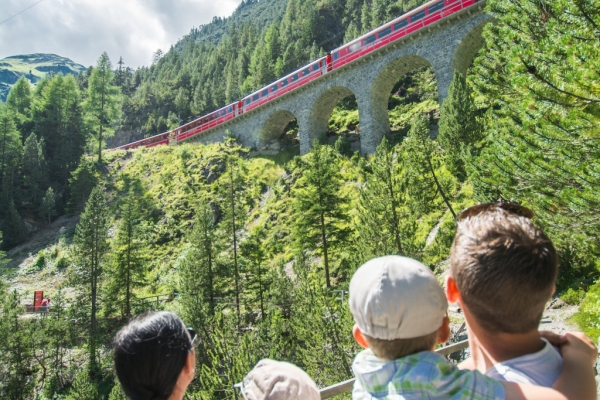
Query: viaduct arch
[(447, 45)]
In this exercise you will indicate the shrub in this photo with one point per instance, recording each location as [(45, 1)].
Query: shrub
[(588, 316), (40, 261), (573, 296), (62, 263)]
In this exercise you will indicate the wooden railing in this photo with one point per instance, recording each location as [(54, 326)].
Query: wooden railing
[(346, 386)]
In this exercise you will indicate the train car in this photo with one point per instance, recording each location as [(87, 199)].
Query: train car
[(156, 140), (397, 28), (300, 77), (206, 122)]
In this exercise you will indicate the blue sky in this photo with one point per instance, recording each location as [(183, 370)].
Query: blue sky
[(82, 29)]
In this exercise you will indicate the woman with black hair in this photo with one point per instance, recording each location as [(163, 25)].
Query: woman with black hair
[(155, 357)]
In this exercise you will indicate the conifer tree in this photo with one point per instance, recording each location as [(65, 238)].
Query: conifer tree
[(232, 191), (422, 155), (10, 150), (541, 74), (82, 181), (459, 126), (34, 172), (321, 219), (103, 101), (19, 100), (13, 228), (197, 269), (91, 244), (47, 209), (128, 260), (385, 224), (253, 251), (15, 350), (57, 333)]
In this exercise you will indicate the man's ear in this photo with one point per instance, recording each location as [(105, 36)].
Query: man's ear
[(452, 293), (444, 332), (358, 336), (189, 368)]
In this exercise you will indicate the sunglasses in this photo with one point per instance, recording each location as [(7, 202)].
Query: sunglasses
[(512, 208), (193, 336)]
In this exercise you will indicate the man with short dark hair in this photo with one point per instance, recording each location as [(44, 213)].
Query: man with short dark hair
[(503, 270)]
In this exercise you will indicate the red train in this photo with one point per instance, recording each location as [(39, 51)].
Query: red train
[(359, 47)]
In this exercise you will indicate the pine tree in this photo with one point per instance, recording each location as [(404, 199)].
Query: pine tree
[(253, 251), (91, 244), (103, 101), (541, 74), (13, 228), (197, 269), (321, 219), (57, 333), (385, 224), (128, 259), (459, 128), (48, 207), (422, 155), (82, 182), (10, 151), (15, 349), (232, 190), (34, 172), (19, 100)]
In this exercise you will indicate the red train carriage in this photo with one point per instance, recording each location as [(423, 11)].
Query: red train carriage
[(156, 140), (399, 27), (206, 122), (286, 84)]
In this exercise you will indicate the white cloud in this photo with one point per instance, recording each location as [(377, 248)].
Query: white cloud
[(82, 29)]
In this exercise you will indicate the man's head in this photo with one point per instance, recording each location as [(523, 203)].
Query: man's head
[(398, 306), (503, 267)]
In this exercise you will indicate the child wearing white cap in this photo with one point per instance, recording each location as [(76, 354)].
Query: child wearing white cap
[(400, 314), (278, 380)]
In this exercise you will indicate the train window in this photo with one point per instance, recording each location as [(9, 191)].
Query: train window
[(255, 97), (354, 47), (229, 109), (435, 7), (370, 39), (283, 83), (294, 77), (222, 112), (306, 72), (336, 56), (248, 100), (274, 88), (384, 32), (316, 67), (265, 93), (400, 24), (417, 16)]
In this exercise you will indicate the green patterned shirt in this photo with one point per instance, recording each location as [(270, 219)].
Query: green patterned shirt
[(422, 376)]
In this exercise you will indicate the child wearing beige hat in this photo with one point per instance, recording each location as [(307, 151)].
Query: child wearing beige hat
[(278, 380), (400, 314)]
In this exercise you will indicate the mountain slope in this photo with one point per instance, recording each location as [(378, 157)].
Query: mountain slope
[(33, 67)]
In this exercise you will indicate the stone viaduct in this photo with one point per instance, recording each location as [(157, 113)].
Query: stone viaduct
[(447, 45)]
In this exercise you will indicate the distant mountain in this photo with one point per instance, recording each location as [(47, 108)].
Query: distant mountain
[(33, 67)]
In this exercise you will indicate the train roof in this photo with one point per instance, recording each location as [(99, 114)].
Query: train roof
[(285, 77), (385, 25)]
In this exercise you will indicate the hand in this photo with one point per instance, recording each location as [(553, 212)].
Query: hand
[(554, 338), (579, 347)]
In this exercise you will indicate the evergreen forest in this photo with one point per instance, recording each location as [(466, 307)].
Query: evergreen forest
[(255, 250)]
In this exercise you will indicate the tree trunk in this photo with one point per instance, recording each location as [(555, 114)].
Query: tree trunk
[(237, 293), (325, 255), (439, 187)]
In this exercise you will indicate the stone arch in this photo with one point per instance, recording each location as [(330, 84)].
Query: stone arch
[(381, 90), (468, 48), (274, 126), (322, 109)]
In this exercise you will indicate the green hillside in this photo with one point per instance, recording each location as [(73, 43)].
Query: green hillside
[(33, 67)]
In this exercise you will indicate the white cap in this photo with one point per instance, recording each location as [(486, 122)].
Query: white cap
[(396, 297), (278, 380)]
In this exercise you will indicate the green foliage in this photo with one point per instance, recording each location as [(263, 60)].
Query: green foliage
[(34, 172), (91, 243), (573, 296), (83, 180), (48, 207), (459, 128), (588, 315), (103, 101), (321, 219), (343, 146)]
